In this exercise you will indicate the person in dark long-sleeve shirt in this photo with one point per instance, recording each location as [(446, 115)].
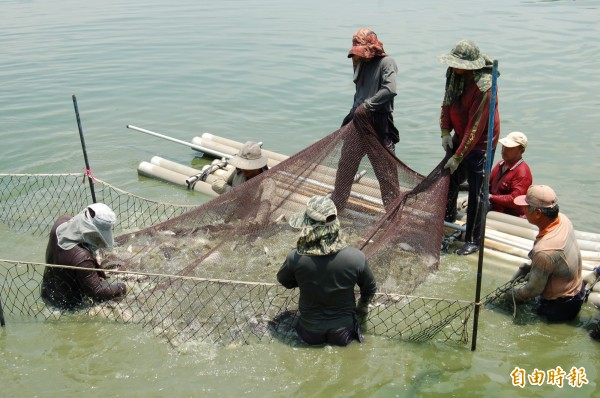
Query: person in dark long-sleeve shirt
[(326, 272), (74, 241), (373, 127)]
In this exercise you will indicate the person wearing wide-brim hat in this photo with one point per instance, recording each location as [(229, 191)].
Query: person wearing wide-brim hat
[(511, 176), (248, 162), (326, 271), (465, 110)]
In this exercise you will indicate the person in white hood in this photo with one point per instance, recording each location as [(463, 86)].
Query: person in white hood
[(74, 241)]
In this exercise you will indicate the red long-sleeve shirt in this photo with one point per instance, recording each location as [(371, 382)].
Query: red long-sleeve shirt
[(505, 187), (468, 116)]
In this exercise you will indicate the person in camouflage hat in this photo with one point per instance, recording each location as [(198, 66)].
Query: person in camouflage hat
[(326, 271), (320, 228), (465, 109)]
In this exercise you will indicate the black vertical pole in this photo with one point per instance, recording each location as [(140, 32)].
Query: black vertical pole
[(2, 322), (484, 207), (87, 163)]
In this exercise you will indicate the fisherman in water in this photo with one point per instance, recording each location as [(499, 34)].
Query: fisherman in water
[(249, 162), (326, 270), (74, 241), (555, 272)]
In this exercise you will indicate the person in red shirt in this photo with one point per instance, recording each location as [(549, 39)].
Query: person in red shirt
[(511, 176), (465, 109)]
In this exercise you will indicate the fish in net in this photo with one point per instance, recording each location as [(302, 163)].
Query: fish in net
[(392, 213)]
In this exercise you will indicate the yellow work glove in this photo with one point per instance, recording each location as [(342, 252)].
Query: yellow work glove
[(452, 164)]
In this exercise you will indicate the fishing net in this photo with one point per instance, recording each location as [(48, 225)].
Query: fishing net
[(392, 213), (209, 272)]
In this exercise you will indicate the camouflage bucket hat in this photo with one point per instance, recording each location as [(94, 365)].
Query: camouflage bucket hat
[(321, 239), (465, 55), (319, 211)]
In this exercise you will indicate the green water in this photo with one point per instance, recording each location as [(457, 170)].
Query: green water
[(277, 72)]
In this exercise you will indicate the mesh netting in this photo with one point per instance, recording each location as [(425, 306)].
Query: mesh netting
[(243, 234), (187, 309), (181, 267), (32, 202)]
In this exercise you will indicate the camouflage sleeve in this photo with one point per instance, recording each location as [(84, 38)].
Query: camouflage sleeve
[(222, 183), (220, 186)]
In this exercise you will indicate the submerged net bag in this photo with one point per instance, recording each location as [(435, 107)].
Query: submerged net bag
[(391, 213), (209, 272)]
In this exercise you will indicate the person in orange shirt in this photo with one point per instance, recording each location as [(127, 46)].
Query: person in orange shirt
[(555, 272)]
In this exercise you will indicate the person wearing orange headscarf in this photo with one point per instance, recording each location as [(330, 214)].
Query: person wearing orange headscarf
[(375, 80), (372, 132)]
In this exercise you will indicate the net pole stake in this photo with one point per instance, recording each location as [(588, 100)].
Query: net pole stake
[(2, 321), (486, 190), (85, 157)]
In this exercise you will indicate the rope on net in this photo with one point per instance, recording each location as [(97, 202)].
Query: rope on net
[(226, 311), (182, 307)]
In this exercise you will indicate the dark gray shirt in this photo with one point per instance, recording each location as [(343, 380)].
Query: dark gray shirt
[(326, 285), (376, 84)]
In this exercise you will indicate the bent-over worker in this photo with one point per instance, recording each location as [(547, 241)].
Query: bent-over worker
[(74, 241), (555, 272)]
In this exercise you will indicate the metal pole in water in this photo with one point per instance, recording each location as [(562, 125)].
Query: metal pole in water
[(484, 207), (85, 157), (2, 322), (211, 152)]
